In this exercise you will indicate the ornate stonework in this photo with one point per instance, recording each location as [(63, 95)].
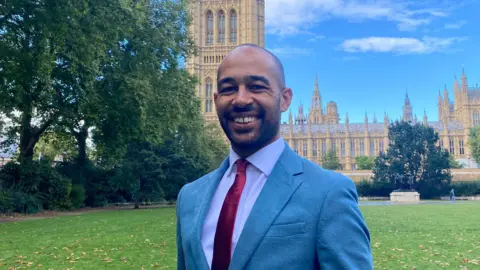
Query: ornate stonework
[(220, 25), (217, 27), (312, 138)]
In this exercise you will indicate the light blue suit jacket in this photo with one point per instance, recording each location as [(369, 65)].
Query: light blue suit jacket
[(304, 218)]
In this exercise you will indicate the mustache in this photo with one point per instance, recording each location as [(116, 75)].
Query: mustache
[(250, 109)]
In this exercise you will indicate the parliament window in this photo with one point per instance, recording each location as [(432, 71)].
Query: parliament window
[(380, 146), (324, 148), (362, 148), (342, 148), (233, 26), (476, 119), (462, 150), (305, 148), (314, 148), (208, 95), (452, 146), (209, 39), (334, 146), (372, 148), (295, 146), (352, 148), (221, 27)]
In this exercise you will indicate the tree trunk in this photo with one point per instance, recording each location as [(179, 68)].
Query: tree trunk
[(82, 145), (26, 145)]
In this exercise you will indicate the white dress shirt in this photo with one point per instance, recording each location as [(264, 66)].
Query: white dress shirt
[(260, 167)]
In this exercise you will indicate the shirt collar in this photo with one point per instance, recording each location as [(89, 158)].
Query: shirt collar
[(264, 159)]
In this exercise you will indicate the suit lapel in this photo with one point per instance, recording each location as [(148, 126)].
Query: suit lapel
[(279, 187), (202, 208)]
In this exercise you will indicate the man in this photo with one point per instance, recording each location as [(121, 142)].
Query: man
[(266, 207)]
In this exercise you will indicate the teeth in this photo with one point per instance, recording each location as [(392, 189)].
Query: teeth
[(244, 119)]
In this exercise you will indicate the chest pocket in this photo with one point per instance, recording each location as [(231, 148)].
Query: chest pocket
[(284, 230)]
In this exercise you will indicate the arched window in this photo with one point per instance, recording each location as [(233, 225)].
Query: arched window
[(476, 119), (208, 95), (221, 27), (233, 26), (209, 40)]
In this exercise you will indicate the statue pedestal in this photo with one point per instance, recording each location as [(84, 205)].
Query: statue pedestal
[(408, 196)]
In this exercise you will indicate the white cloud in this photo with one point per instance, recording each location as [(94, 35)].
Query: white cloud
[(286, 17), (315, 38), (399, 45), (456, 25), (290, 51)]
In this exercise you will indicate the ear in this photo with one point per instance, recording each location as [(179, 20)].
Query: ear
[(285, 99)]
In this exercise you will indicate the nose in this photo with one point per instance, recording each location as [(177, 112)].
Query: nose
[(243, 97)]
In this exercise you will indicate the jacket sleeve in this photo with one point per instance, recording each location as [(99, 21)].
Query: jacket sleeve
[(343, 239), (180, 255)]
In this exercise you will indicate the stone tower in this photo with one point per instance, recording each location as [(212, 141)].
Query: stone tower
[(217, 27), (407, 110)]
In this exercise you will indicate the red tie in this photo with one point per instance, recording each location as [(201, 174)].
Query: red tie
[(222, 248)]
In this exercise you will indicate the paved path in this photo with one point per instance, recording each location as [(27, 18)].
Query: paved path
[(381, 203)]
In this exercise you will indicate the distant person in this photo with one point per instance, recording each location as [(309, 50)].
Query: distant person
[(266, 207), (452, 195)]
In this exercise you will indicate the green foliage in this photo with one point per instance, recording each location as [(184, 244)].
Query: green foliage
[(367, 188), (77, 196), (34, 186), (466, 188), (109, 71), (413, 161), (364, 162), (454, 164), (6, 202), (474, 143), (330, 161)]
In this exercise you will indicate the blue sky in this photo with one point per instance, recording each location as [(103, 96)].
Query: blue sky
[(367, 54)]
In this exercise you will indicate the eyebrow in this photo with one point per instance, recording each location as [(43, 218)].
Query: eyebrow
[(248, 78), (258, 78)]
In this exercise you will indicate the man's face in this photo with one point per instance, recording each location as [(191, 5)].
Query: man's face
[(250, 99)]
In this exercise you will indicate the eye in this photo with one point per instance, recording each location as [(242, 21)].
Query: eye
[(228, 89), (257, 87)]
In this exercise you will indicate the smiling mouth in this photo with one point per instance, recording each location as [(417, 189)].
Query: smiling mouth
[(244, 120)]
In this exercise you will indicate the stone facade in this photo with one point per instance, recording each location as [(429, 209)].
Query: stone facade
[(220, 25), (315, 133), (217, 27)]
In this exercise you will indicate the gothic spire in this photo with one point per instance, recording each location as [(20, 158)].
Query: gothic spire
[(425, 118), (407, 110), (316, 98), (374, 118), (464, 81)]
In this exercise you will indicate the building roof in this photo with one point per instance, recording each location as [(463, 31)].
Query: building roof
[(359, 127), (474, 92)]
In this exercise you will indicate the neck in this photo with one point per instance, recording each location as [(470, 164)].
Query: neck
[(245, 151)]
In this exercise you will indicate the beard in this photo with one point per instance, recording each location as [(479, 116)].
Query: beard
[(264, 130)]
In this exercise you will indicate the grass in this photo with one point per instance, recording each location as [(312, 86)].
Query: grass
[(404, 236), (431, 236)]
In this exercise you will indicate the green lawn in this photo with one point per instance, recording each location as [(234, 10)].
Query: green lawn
[(405, 236)]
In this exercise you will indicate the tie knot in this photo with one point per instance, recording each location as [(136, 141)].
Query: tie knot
[(241, 165)]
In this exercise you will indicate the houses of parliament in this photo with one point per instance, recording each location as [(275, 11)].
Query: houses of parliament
[(220, 25)]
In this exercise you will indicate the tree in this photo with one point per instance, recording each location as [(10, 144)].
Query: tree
[(330, 161), (474, 143), (364, 162), (454, 164), (49, 58), (413, 161)]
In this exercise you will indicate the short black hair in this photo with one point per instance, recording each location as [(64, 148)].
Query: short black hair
[(278, 63)]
